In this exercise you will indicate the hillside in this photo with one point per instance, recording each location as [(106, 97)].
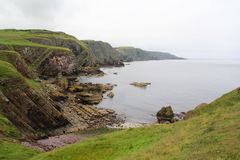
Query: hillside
[(37, 68), (211, 131), (49, 43), (34, 66), (136, 54)]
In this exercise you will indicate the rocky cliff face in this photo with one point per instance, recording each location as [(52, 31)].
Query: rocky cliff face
[(105, 54), (30, 110), (26, 56), (33, 60), (136, 54)]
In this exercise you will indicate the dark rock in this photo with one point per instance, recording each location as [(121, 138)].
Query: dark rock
[(31, 111), (105, 54), (58, 96), (89, 71), (165, 115), (140, 84), (110, 94), (90, 87), (89, 98)]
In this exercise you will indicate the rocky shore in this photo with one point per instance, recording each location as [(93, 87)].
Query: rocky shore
[(77, 102)]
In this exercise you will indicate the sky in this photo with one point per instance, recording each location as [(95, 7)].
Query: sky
[(187, 28)]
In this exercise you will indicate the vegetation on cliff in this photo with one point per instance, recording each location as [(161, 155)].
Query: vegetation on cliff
[(211, 131), (26, 55), (36, 46)]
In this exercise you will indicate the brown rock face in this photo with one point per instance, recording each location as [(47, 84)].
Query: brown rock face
[(48, 62), (90, 87), (56, 64), (89, 98), (30, 110)]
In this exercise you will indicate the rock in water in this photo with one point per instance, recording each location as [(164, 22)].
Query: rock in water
[(165, 115), (110, 94), (140, 84)]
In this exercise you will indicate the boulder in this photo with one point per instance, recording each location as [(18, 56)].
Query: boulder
[(110, 94), (89, 98), (165, 115), (140, 84), (90, 87), (58, 96)]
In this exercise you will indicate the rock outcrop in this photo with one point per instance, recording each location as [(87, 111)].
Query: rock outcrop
[(140, 84), (165, 115), (89, 93), (105, 54), (32, 111), (89, 98), (30, 60), (110, 94)]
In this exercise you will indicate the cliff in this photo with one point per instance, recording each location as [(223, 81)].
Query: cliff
[(105, 53), (136, 54), (26, 56), (21, 101)]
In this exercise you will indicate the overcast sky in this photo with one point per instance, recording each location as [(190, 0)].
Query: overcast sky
[(188, 28)]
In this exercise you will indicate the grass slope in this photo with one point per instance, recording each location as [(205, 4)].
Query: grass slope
[(11, 38), (211, 132), (15, 151), (10, 149)]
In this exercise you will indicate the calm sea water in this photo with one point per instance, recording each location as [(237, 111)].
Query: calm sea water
[(183, 84)]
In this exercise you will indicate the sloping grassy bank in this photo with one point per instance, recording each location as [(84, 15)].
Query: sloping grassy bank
[(211, 132)]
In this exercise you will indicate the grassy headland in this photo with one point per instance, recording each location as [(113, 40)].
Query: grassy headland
[(211, 132)]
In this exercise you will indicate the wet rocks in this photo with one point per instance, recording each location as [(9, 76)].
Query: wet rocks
[(90, 87), (91, 71), (165, 115), (89, 98), (58, 96), (179, 116), (89, 93), (140, 84), (110, 94)]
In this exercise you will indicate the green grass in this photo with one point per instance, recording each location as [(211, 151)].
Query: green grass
[(33, 84), (7, 129), (20, 38), (211, 132), (8, 71), (12, 38), (15, 151)]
